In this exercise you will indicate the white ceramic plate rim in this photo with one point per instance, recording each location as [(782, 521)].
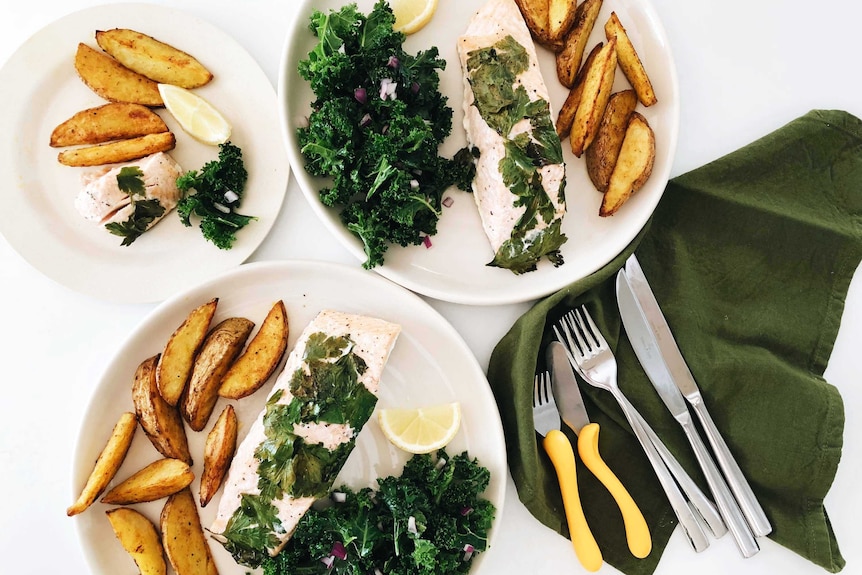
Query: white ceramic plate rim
[(447, 271), (430, 363), (41, 89)]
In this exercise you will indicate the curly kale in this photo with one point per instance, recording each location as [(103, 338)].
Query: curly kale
[(418, 523), (375, 129)]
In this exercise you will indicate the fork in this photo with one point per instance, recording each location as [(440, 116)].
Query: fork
[(593, 359), (546, 420)]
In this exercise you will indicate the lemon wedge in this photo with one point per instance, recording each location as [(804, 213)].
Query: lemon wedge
[(412, 15), (423, 429), (195, 115)]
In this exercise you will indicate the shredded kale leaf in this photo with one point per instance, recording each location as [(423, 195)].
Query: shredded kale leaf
[(379, 147), (204, 196), (430, 520)]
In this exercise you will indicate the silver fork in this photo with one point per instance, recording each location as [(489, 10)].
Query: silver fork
[(593, 359)]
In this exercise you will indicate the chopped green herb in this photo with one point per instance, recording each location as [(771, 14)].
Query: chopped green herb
[(130, 179)]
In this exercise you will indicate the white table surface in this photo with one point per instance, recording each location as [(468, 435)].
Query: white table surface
[(745, 68)]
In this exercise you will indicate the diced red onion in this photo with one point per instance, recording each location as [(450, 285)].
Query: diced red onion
[(393, 62), (361, 95), (366, 119), (384, 129), (231, 196), (440, 463), (328, 561), (377, 571), (466, 511), (414, 184), (468, 552), (387, 89), (221, 208), (339, 496), (411, 521), (448, 201), (339, 551), (427, 241), (414, 87)]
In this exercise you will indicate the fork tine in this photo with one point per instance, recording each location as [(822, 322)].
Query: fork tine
[(577, 329), (546, 385), (536, 390), (593, 329)]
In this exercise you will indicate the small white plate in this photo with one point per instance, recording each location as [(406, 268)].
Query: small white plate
[(430, 364), (42, 89), (454, 269)]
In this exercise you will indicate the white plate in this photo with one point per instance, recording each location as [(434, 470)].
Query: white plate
[(454, 269), (430, 364), (42, 89)]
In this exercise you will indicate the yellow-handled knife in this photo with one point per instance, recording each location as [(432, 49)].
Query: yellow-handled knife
[(574, 414)]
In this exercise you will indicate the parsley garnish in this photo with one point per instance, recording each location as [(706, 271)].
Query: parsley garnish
[(131, 180)]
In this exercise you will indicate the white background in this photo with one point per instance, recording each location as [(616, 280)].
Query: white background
[(745, 68)]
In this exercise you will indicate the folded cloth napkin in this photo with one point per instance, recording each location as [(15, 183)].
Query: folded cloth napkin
[(750, 258)]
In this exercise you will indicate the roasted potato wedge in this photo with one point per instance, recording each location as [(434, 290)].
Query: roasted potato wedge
[(161, 421), (219, 449), (535, 13), (159, 479), (113, 81), (630, 62), (113, 121), (575, 43), (260, 358), (107, 464), (601, 156), (118, 151), (220, 348), (570, 106), (156, 60), (634, 165), (598, 82), (175, 364), (183, 537), (561, 18), (140, 539)]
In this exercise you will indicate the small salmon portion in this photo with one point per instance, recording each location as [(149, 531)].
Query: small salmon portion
[(102, 201)]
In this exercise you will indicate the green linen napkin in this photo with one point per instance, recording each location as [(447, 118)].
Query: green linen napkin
[(750, 258)]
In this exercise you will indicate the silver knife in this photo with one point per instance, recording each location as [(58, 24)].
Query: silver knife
[(646, 348), (684, 380)]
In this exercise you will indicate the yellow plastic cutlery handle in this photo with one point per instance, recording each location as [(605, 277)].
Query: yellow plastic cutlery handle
[(560, 451), (637, 532)]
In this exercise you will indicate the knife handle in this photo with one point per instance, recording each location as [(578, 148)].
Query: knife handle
[(559, 449), (637, 531), (735, 478)]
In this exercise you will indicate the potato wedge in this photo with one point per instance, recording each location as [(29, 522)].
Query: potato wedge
[(630, 62), (634, 165), (161, 422), (118, 151), (107, 464), (159, 479), (113, 121), (561, 18), (219, 449), (175, 364), (156, 60), (264, 352), (535, 13), (569, 58), (601, 156), (113, 81), (140, 539), (570, 106), (183, 537), (220, 348), (598, 82)]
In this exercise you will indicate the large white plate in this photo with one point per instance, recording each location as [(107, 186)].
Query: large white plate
[(454, 269), (39, 88), (430, 364)]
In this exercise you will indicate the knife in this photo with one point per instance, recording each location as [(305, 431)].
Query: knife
[(574, 414), (646, 348), (684, 380)]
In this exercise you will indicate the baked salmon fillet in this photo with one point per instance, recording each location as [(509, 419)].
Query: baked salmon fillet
[(302, 438), (520, 179)]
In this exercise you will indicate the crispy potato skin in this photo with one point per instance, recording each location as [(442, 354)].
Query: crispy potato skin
[(535, 13), (161, 421), (633, 167), (159, 479), (177, 359), (561, 18), (251, 369), (569, 58), (630, 62), (570, 106), (139, 538), (219, 349), (118, 151), (183, 537), (598, 83), (218, 452), (152, 58), (107, 464), (113, 81), (601, 156), (113, 121)]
